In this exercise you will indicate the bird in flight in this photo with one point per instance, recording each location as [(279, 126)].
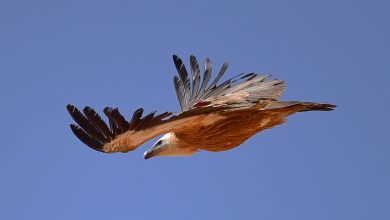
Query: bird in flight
[(214, 117)]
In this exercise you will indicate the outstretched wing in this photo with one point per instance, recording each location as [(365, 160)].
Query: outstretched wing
[(124, 136), (243, 89), (198, 100)]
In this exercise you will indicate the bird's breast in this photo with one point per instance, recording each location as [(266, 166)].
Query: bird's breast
[(228, 132)]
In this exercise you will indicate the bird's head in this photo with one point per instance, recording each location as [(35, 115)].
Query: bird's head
[(168, 145)]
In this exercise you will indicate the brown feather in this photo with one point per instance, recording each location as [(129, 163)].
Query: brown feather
[(215, 118), (239, 125)]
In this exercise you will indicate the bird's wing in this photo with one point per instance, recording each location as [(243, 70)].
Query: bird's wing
[(121, 135), (197, 99), (243, 89)]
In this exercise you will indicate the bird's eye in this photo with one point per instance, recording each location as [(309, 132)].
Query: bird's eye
[(159, 142)]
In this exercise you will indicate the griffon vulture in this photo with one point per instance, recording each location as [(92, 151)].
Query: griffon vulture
[(214, 117)]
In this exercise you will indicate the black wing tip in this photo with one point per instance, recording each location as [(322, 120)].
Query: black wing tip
[(73, 109), (107, 111), (175, 57), (86, 139), (94, 132), (86, 131), (70, 108), (144, 121), (140, 110), (87, 108), (73, 127)]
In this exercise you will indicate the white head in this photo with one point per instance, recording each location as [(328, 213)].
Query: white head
[(167, 145)]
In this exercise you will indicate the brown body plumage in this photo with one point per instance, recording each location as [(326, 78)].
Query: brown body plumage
[(214, 118), (235, 127)]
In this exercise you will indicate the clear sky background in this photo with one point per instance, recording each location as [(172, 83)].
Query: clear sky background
[(320, 165)]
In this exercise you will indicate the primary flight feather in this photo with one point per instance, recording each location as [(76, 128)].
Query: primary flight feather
[(215, 117)]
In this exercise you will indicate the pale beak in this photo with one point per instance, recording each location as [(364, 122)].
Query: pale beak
[(149, 154)]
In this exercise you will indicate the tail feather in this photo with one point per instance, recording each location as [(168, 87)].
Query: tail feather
[(296, 106), (311, 106)]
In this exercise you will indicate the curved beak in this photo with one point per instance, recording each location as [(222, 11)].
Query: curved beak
[(149, 154)]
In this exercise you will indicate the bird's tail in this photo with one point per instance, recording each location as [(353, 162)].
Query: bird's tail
[(312, 106), (296, 106)]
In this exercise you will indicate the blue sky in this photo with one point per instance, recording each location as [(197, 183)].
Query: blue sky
[(320, 165)]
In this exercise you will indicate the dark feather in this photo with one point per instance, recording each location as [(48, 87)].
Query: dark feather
[(117, 117), (239, 77), (85, 124), (251, 76), (220, 74), (115, 129), (219, 89), (206, 77), (157, 119), (136, 118), (144, 121), (85, 138), (96, 120), (247, 75), (181, 69), (179, 92), (317, 107), (195, 76)]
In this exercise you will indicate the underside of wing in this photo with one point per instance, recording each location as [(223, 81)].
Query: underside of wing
[(240, 91), (93, 131), (120, 135)]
